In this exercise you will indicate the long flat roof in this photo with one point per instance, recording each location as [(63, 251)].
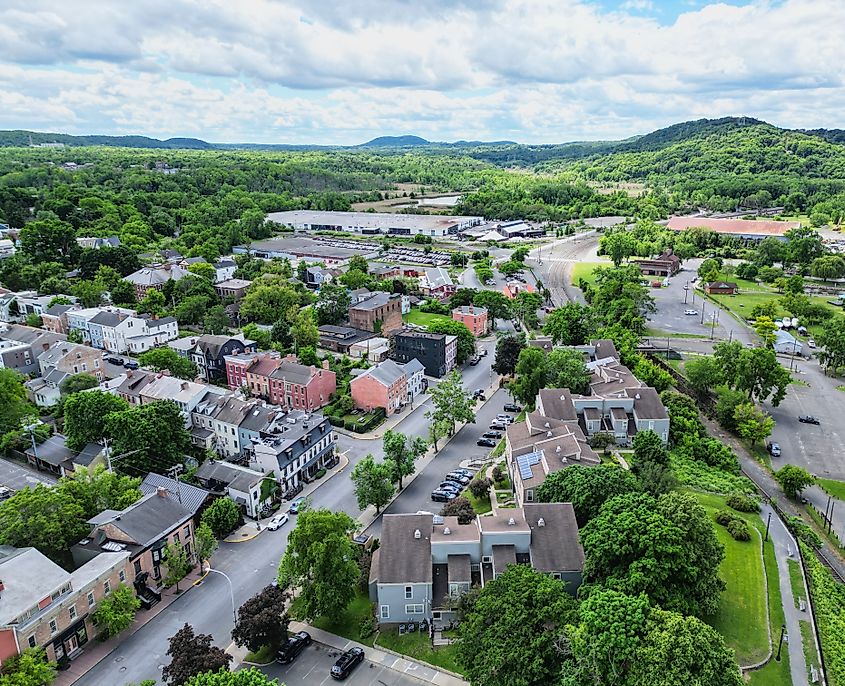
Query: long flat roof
[(754, 227), (368, 220), (308, 247)]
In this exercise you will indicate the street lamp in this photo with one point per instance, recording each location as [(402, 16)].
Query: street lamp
[(768, 521), (231, 591), (780, 642)]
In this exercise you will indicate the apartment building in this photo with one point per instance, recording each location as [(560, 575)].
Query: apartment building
[(437, 352), (282, 381), (379, 313), (474, 318), (388, 385)]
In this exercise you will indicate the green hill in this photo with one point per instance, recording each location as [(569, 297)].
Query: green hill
[(24, 138)]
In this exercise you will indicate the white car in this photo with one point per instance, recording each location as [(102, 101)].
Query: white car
[(811, 343), (692, 312), (277, 521)]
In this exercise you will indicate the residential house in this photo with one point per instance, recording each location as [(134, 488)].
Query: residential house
[(282, 381), (97, 243), (243, 485), (154, 277), (45, 391), (437, 352), (474, 318), (374, 349), (436, 283), (385, 271), (721, 288), (44, 606), (317, 276), (121, 332), (186, 394), (144, 530), (7, 248), (209, 352), (21, 345), (225, 412), (232, 288), (51, 455), (192, 498), (72, 359), (295, 448), (380, 313), (666, 264), (426, 562), (225, 268), (384, 385), (340, 339), (130, 384), (514, 288), (55, 318), (29, 302)]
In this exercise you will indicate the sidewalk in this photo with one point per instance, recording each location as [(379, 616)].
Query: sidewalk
[(95, 652), (418, 670), (252, 529)]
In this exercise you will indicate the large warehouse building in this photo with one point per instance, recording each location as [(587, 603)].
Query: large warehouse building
[(750, 229), (374, 223)]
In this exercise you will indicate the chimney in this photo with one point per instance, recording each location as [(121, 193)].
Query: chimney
[(161, 492), (45, 347), (128, 373), (184, 385), (325, 364)]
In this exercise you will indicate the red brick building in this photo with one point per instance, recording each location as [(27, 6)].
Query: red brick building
[(282, 381), (474, 318), (380, 313)]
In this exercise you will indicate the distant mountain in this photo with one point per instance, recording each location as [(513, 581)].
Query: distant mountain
[(25, 138), (395, 142)]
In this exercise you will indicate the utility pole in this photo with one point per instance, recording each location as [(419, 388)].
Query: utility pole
[(702, 312), (174, 473)]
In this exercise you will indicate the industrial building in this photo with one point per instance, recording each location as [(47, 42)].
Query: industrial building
[(375, 223)]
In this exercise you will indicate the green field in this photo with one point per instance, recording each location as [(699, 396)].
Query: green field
[(834, 488), (741, 618), (584, 270), (418, 647), (424, 318)]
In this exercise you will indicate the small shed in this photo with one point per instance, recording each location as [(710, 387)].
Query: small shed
[(721, 288)]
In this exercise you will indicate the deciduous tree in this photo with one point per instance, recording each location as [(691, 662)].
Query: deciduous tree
[(570, 324), (332, 304), (507, 354), (262, 620), (192, 654), (793, 480), (158, 359), (451, 402), (466, 341), (587, 488), (116, 611), (752, 423), (30, 668), (177, 564), (566, 369), (373, 483), (221, 517), (12, 401), (531, 375), (320, 561), (243, 677), (98, 489), (204, 542), (459, 507), (401, 454)]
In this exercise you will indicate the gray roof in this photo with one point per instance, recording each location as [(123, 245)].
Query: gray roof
[(405, 558), (437, 277), (293, 372), (28, 577), (106, 318), (162, 321), (151, 518), (386, 373), (605, 348), (503, 555), (647, 403), (88, 454), (234, 477), (471, 309), (557, 403), (554, 546), (156, 275), (52, 451), (29, 335), (376, 300), (259, 418), (191, 497), (58, 310), (413, 366), (459, 568), (230, 409)]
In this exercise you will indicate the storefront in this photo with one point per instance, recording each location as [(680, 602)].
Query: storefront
[(69, 643)]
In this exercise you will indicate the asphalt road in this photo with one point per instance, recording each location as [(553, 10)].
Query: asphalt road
[(15, 476), (417, 494), (313, 665), (552, 263)]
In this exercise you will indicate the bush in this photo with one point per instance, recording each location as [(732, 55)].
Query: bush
[(335, 421), (743, 503), (320, 474), (497, 473), (724, 517), (480, 487), (804, 532), (738, 529), (368, 626)]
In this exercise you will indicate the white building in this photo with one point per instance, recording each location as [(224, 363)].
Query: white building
[(375, 223)]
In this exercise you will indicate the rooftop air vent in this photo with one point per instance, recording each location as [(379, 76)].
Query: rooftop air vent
[(637, 396), (446, 531), (557, 450), (417, 533), (547, 425), (511, 521), (541, 522), (548, 433)]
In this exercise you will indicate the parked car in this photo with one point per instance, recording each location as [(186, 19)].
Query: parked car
[(774, 449), (130, 364), (5, 493), (497, 426), (295, 505), (505, 418), (483, 352), (512, 407), (465, 472), (811, 343), (292, 492), (478, 393), (492, 434), (808, 419), (115, 360), (462, 479), (474, 361), (691, 312), (293, 647), (440, 496), (347, 662), (449, 485), (486, 442), (277, 521)]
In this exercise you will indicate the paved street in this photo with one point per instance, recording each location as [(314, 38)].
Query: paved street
[(552, 264), (16, 476)]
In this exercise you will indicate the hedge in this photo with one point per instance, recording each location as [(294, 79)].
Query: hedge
[(829, 605)]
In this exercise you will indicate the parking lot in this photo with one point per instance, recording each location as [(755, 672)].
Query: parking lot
[(15, 476), (313, 665)]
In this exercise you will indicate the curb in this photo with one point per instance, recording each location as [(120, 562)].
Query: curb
[(380, 647)]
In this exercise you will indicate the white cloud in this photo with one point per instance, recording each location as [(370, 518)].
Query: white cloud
[(323, 71)]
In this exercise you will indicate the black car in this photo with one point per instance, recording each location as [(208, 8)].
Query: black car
[(347, 662), (459, 477), (130, 364), (486, 442), (497, 426), (474, 361), (450, 486), (808, 419), (293, 647), (492, 434), (441, 496), (115, 360), (512, 407)]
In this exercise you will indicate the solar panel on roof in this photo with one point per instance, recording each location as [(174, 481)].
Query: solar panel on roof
[(525, 462)]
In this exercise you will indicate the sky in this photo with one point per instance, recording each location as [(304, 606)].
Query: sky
[(339, 72)]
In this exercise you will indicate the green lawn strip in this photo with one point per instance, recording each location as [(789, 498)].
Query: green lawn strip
[(829, 607), (263, 657), (499, 450), (796, 581), (659, 334), (584, 270), (347, 624), (481, 506), (741, 618), (833, 487), (821, 528), (424, 318), (418, 646), (808, 640)]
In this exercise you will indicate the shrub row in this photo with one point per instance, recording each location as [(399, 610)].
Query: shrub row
[(829, 606)]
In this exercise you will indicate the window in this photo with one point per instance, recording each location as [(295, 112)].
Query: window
[(414, 609), (106, 587), (71, 611), (31, 641), (176, 538), (122, 576), (137, 567), (53, 627), (91, 599), (556, 575), (385, 612), (529, 496), (409, 592), (186, 532), (84, 367)]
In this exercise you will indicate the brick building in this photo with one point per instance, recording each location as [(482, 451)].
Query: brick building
[(437, 352), (380, 313), (474, 318), (282, 381)]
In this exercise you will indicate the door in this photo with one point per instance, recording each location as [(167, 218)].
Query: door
[(71, 644)]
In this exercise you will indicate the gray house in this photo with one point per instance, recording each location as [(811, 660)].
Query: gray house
[(425, 562)]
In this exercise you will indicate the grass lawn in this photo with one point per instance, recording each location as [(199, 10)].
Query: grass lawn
[(834, 488), (821, 528), (347, 624), (481, 506), (424, 318), (811, 655), (796, 581), (263, 657), (584, 270), (418, 647), (657, 333)]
